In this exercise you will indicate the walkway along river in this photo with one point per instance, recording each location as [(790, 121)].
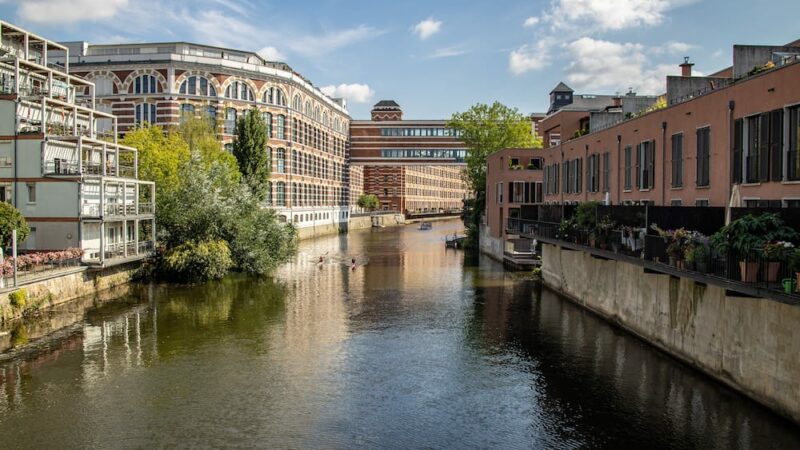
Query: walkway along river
[(413, 348)]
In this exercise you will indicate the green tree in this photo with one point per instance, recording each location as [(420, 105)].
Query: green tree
[(199, 135), (11, 219), (249, 148), (485, 129), (369, 202), (161, 155)]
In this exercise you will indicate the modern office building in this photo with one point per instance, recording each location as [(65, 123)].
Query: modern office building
[(413, 166), (307, 131), (706, 135), (66, 173)]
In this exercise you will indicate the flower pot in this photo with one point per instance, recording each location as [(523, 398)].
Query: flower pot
[(749, 271), (701, 267), (771, 270), (789, 285)]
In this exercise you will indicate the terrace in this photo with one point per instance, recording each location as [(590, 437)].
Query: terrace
[(80, 155), (52, 117), (679, 244)]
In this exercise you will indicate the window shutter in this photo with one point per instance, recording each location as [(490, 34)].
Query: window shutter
[(763, 144), (776, 144), (738, 135), (651, 165), (638, 166)]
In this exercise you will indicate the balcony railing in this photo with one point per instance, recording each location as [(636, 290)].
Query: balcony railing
[(751, 273)]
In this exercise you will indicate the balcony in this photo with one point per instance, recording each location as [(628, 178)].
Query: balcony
[(57, 118), (630, 241), (116, 199), (84, 156)]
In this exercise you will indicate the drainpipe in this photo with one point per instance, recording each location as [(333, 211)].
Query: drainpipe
[(663, 163), (731, 143), (620, 166)]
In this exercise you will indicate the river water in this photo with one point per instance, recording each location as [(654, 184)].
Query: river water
[(414, 348)]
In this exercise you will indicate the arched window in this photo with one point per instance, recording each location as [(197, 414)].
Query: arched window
[(144, 84), (281, 126), (267, 117), (317, 115), (103, 85), (145, 112), (280, 161), (230, 121), (280, 193), (211, 112), (239, 90), (279, 97), (325, 119), (297, 104), (294, 161), (294, 194), (197, 85), (309, 113), (336, 124), (187, 111)]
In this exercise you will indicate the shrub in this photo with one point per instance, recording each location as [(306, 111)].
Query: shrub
[(751, 232), (198, 261), (586, 214), (18, 298)]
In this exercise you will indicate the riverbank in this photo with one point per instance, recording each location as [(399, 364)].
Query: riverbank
[(61, 287)]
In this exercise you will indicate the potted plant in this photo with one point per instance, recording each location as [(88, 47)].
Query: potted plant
[(700, 255), (605, 226), (688, 257), (566, 229), (740, 238), (774, 253)]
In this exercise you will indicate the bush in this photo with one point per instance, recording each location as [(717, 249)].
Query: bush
[(198, 261), (11, 219), (586, 214), (18, 298), (751, 233)]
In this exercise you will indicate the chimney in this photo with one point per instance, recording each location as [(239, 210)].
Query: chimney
[(617, 101), (686, 67)]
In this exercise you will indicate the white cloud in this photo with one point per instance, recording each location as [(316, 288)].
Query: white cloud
[(448, 52), (311, 45), (427, 28), (68, 11), (358, 93), (531, 21), (673, 48), (609, 14), (271, 54), (612, 66), (532, 57)]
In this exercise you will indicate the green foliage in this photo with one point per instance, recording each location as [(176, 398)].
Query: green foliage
[(11, 219), (161, 154), (698, 254), (794, 260), (18, 298), (198, 261), (223, 209), (751, 232), (19, 335), (199, 135), (369, 202), (586, 214), (249, 148), (485, 129)]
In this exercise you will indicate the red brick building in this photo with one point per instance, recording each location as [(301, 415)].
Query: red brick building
[(704, 135), (513, 179), (413, 166)]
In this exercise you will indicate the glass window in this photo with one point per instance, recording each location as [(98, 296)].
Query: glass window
[(677, 160), (703, 156), (144, 84), (268, 122), (230, 121), (280, 161), (281, 126), (31, 192), (145, 112)]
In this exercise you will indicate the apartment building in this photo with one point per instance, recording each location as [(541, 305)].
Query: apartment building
[(514, 176), (160, 83), (413, 166), (703, 136), (60, 163)]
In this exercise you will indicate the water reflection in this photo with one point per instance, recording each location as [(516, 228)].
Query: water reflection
[(413, 348)]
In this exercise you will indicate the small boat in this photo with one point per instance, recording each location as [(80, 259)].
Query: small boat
[(425, 226)]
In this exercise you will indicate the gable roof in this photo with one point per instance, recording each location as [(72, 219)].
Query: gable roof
[(561, 87)]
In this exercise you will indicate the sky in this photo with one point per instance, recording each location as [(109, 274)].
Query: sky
[(438, 57)]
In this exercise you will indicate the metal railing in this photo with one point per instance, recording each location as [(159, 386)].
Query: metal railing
[(752, 273)]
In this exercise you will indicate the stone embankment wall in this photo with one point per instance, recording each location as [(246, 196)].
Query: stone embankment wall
[(386, 220), (750, 344), (63, 287), (490, 245)]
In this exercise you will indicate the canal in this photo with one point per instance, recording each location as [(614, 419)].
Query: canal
[(414, 348)]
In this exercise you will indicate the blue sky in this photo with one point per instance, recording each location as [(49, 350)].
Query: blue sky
[(439, 57)]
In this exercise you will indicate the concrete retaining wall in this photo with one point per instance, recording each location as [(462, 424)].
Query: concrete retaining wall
[(751, 344), (490, 245), (66, 286)]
